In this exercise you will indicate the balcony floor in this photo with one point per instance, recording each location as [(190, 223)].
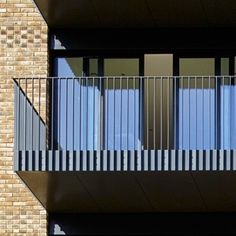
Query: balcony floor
[(130, 192), (131, 181)]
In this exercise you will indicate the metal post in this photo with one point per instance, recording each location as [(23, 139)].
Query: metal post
[(127, 128), (25, 114), (80, 114), (230, 84), (19, 115), (107, 114), (114, 115), (147, 113), (101, 113), (161, 114), (39, 136), (93, 113), (209, 85), (175, 112), (216, 113), (168, 113), (73, 113), (196, 108), (154, 110), (66, 111), (32, 116), (182, 113), (86, 119), (189, 136), (52, 116), (202, 112), (223, 114), (141, 112), (59, 114), (120, 113), (134, 83)]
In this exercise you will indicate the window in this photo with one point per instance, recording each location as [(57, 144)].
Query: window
[(104, 116)]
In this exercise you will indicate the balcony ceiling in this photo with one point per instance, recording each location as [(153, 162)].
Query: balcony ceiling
[(138, 13), (114, 192)]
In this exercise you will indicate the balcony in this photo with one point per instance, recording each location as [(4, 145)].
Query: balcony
[(127, 133), (125, 117)]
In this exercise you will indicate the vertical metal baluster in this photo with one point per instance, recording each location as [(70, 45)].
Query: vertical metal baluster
[(154, 109), (101, 113), (98, 122), (59, 114), (182, 113), (107, 113), (209, 111), (66, 111), (189, 137), (233, 107), (47, 138), (134, 83), (19, 115), (223, 114), (93, 113), (52, 114), (83, 110), (127, 128), (86, 119), (25, 115), (161, 114), (39, 114), (202, 112), (168, 113), (148, 112), (230, 84), (80, 114), (73, 113), (196, 108), (32, 116), (120, 113), (114, 117), (216, 113), (175, 112), (140, 112), (233, 110)]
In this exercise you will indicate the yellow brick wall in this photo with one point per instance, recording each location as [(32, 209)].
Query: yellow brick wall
[(23, 52)]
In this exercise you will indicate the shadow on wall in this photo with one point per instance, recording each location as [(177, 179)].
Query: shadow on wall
[(29, 128), (137, 39)]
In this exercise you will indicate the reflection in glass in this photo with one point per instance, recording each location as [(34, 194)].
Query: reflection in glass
[(76, 120)]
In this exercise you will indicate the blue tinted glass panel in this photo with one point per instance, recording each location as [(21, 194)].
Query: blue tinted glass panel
[(196, 118), (122, 119), (75, 127), (80, 103), (228, 116)]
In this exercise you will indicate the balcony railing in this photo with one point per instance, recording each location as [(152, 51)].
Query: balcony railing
[(125, 113)]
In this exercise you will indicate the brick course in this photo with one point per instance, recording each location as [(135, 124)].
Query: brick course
[(23, 53)]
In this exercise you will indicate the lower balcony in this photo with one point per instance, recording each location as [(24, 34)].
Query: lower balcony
[(127, 144)]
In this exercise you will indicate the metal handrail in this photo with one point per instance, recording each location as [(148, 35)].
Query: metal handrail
[(128, 112)]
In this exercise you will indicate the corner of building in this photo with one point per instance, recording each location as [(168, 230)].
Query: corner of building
[(23, 52)]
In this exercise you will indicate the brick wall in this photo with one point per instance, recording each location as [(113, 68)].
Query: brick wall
[(23, 52)]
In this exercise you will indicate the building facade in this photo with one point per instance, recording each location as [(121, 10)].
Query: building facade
[(24, 52), (117, 117)]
